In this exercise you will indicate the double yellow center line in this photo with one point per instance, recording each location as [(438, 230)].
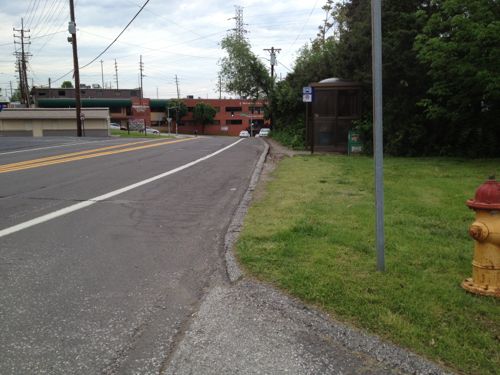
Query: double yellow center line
[(88, 154)]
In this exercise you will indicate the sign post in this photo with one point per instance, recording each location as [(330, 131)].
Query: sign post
[(307, 97), (378, 144)]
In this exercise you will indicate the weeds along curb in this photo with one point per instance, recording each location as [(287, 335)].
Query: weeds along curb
[(233, 269)]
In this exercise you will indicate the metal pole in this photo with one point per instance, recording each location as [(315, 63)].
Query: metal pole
[(141, 67), (102, 75), (76, 70), (378, 144), (251, 126)]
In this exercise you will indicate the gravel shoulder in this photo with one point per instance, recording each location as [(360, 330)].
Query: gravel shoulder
[(247, 327)]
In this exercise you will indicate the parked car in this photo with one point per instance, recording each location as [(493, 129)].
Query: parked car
[(114, 125), (244, 134), (152, 131), (264, 132)]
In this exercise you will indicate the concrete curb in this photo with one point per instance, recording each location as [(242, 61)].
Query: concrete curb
[(319, 323), (233, 269)]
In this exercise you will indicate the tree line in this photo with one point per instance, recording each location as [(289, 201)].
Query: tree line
[(441, 74)]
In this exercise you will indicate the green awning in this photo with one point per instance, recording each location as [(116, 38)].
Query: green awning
[(88, 103), (158, 104)]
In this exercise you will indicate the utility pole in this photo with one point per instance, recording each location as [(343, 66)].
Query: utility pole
[(178, 104), (102, 75), (50, 83), (116, 74), (272, 51), (220, 87), (11, 93), (22, 59), (76, 69), (141, 69)]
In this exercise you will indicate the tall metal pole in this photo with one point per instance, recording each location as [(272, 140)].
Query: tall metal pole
[(141, 68), (178, 105), (378, 144), (72, 30), (102, 75), (116, 74)]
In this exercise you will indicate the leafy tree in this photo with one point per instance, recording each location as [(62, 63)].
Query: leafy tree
[(67, 85), (460, 45), (178, 107), (242, 73), (204, 114), (327, 22)]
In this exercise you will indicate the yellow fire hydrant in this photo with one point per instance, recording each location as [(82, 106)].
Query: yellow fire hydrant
[(486, 233)]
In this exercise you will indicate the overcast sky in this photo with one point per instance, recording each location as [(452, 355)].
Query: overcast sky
[(174, 38)]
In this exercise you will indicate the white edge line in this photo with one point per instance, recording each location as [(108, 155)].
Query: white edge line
[(100, 198)]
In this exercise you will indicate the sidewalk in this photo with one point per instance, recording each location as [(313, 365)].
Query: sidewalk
[(246, 327)]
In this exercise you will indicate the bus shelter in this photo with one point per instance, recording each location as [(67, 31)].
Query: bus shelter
[(335, 105)]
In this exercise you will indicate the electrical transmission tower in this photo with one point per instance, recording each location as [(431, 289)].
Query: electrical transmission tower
[(239, 30), (22, 60)]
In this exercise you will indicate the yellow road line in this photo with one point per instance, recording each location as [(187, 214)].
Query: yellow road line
[(62, 156), (7, 168)]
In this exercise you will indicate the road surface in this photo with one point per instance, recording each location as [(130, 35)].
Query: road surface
[(108, 246)]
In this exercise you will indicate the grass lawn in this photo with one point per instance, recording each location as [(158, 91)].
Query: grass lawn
[(134, 134), (312, 234)]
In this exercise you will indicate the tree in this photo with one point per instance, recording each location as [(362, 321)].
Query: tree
[(67, 85), (178, 107), (327, 22), (242, 73), (204, 114), (460, 46)]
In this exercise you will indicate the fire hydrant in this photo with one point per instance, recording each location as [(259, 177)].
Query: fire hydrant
[(486, 233)]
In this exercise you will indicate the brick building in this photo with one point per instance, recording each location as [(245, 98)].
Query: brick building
[(126, 107)]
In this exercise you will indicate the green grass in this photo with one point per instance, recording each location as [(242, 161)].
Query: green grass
[(134, 134), (312, 234)]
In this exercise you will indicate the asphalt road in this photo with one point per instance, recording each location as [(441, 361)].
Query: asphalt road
[(94, 279)]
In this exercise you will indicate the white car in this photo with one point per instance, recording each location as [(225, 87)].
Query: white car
[(114, 126), (264, 132), (244, 134), (152, 131)]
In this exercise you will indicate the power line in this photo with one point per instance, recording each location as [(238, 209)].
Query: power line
[(304, 24), (113, 42), (108, 47)]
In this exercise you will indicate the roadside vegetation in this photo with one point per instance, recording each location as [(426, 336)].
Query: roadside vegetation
[(312, 234), (134, 134), (440, 68)]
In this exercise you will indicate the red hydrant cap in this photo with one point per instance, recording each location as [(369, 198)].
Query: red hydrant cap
[(487, 196)]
